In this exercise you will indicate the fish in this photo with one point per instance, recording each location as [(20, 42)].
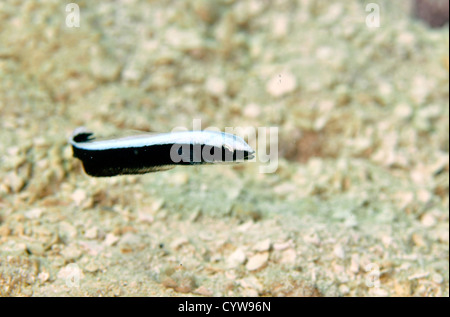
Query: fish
[(148, 152)]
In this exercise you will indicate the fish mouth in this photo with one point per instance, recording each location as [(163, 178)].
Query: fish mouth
[(241, 156), (249, 155), (236, 156)]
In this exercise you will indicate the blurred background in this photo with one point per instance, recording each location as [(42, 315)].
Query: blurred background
[(358, 205)]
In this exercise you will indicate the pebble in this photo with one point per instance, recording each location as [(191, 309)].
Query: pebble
[(320, 123), (387, 240), (14, 181), (34, 213), (424, 196), (236, 258), (157, 204), (203, 291), (418, 276), (131, 72), (70, 273), (71, 252), (13, 151), (339, 251), (67, 231), (249, 292), (354, 263), (81, 198), (419, 240), (110, 239), (282, 245), (36, 248), (252, 111), (179, 179), (206, 10), (216, 86), (403, 111), (281, 84), (78, 196), (43, 277), (288, 256), (257, 261), (438, 278), (183, 39), (92, 247), (178, 242), (91, 267), (420, 89), (130, 239), (105, 69), (378, 291), (263, 245), (145, 217), (428, 220), (5, 231), (344, 289), (245, 226), (250, 282), (91, 233), (312, 238), (280, 26)]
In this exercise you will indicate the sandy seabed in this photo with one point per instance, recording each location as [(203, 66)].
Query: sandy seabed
[(358, 204)]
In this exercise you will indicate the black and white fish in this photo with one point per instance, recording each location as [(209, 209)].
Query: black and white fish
[(148, 153)]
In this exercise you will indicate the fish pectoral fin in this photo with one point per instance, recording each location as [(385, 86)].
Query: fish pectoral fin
[(145, 170), (160, 168), (107, 171)]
